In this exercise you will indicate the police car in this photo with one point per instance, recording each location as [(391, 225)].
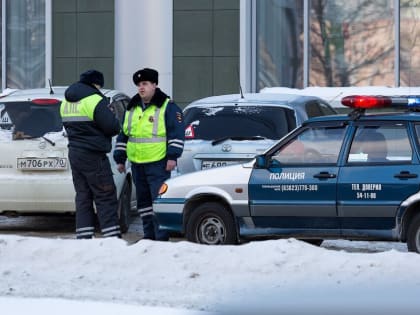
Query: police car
[(35, 175), (352, 176)]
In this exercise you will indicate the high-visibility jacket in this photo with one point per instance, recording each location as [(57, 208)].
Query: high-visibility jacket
[(81, 110), (89, 123), (146, 133)]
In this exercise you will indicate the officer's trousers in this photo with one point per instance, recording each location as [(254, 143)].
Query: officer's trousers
[(148, 177), (94, 184)]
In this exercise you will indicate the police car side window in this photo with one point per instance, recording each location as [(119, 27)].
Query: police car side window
[(317, 145), (380, 144)]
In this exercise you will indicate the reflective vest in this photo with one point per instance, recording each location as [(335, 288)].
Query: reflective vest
[(79, 111), (146, 133)]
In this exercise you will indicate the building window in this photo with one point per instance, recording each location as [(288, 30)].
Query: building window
[(410, 43), (24, 51), (351, 43), (279, 43)]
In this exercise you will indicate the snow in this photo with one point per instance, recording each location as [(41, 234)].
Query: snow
[(110, 276)]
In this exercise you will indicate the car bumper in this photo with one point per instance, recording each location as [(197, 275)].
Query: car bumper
[(169, 215)]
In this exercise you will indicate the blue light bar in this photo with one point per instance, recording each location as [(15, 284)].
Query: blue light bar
[(413, 101)]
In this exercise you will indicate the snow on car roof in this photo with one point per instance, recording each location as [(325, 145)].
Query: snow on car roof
[(250, 99)]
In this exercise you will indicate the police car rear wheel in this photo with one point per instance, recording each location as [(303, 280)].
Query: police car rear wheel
[(413, 235), (211, 224)]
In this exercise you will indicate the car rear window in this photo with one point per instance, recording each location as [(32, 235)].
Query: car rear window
[(29, 120), (207, 123)]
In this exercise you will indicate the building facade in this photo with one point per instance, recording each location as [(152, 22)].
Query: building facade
[(212, 47)]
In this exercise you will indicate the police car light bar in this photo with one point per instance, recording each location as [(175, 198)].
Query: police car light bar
[(370, 102)]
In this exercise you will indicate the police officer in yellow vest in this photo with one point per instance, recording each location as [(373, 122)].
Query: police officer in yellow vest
[(90, 126), (152, 139)]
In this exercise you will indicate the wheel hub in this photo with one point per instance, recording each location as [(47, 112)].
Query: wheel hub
[(212, 231)]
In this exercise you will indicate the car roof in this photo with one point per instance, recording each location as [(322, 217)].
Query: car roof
[(58, 92), (253, 98)]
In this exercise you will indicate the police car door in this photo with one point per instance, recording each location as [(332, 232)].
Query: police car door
[(380, 172), (297, 189)]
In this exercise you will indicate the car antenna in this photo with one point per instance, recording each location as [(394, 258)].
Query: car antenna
[(51, 89)]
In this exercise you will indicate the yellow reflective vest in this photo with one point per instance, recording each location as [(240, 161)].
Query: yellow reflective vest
[(146, 133), (79, 111)]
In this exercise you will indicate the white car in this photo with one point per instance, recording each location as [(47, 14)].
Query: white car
[(35, 175)]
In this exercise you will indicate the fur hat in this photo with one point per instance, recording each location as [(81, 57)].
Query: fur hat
[(92, 77), (145, 74)]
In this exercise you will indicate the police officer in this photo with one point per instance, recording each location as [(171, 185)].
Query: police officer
[(90, 126), (152, 138)]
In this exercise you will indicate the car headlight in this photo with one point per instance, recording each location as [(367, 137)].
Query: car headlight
[(163, 189)]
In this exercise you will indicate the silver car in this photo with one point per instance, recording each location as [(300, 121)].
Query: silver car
[(231, 129), (35, 175)]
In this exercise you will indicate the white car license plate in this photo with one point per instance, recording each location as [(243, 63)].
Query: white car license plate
[(42, 163), (212, 164)]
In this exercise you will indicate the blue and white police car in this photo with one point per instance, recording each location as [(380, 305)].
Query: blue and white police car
[(352, 176)]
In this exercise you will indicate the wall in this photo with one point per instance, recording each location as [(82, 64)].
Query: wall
[(205, 49), (83, 38), (143, 38)]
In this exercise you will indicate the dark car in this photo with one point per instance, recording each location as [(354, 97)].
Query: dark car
[(353, 176), (230, 129)]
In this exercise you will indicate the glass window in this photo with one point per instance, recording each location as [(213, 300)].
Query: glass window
[(383, 144), (351, 43), (320, 145), (279, 43), (238, 122), (25, 49), (409, 43), (314, 109), (33, 119)]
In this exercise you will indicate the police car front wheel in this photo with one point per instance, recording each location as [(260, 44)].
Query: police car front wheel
[(211, 223), (413, 235)]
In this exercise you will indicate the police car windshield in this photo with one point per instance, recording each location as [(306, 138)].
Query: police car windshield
[(221, 122), (30, 120)]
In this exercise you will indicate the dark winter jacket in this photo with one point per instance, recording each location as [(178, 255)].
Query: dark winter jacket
[(96, 135), (174, 122)]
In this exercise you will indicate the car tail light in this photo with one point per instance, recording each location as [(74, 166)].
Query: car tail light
[(45, 101)]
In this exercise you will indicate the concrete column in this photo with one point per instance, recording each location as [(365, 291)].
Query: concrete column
[(143, 38)]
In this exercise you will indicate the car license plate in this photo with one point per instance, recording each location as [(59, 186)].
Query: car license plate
[(213, 164), (42, 163)]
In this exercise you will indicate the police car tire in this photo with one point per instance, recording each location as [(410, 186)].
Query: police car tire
[(124, 207), (413, 235), (211, 212)]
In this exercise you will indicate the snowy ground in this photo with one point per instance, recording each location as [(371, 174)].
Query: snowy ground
[(106, 276)]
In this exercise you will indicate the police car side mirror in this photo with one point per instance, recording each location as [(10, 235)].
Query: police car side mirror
[(261, 161)]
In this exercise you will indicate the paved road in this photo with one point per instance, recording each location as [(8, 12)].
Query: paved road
[(55, 226), (62, 226)]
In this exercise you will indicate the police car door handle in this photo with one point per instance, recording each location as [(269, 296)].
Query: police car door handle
[(405, 175), (325, 175)]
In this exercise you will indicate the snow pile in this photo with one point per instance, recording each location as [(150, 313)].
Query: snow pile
[(266, 275)]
